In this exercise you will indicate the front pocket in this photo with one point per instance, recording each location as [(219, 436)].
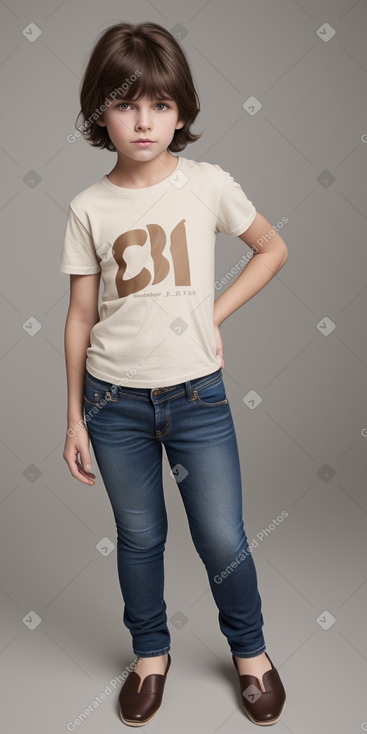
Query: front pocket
[(212, 395), (93, 395)]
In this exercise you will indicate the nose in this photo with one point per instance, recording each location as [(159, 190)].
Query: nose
[(143, 119)]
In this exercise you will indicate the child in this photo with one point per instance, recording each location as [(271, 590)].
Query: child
[(146, 369)]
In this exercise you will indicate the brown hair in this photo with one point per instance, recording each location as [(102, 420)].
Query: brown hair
[(137, 60)]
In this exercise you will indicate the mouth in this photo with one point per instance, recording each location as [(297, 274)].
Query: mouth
[(143, 141)]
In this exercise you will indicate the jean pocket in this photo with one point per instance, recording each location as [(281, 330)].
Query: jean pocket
[(97, 396), (212, 395)]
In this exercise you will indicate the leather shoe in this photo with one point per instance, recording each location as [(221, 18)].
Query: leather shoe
[(137, 709), (262, 708)]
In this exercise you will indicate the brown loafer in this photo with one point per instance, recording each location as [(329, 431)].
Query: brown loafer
[(262, 708), (137, 709)]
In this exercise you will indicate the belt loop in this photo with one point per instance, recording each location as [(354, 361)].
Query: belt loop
[(188, 388)]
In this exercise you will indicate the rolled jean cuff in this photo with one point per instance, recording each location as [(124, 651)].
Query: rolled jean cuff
[(152, 653), (253, 654)]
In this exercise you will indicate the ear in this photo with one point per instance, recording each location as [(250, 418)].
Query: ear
[(179, 125), (101, 123)]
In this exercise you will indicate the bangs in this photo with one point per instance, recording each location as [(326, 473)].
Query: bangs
[(134, 61), (143, 76)]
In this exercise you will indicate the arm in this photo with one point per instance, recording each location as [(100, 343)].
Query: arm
[(268, 259), (81, 317)]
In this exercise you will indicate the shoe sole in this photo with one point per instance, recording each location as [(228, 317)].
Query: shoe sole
[(130, 722), (265, 723), (255, 721)]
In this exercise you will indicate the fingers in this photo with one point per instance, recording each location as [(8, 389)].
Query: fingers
[(219, 344), (87, 477), (80, 468), (78, 471), (86, 461), (220, 353)]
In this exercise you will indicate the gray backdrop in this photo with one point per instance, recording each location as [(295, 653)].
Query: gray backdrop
[(299, 152)]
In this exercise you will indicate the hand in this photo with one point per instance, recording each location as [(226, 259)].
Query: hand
[(219, 344), (75, 444)]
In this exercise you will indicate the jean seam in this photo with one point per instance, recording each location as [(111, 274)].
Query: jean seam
[(89, 402), (145, 398), (260, 649), (97, 401), (212, 463), (151, 653), (212, 381), (212, 405), (163, 397), (203, 402), (96, 384)]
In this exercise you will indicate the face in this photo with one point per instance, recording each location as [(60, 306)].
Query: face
[(128, 121)]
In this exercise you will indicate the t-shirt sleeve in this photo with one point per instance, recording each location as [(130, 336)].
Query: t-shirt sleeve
[(78, 252), (235, 212)]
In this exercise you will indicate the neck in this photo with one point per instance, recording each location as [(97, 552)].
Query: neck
[(139, 174)]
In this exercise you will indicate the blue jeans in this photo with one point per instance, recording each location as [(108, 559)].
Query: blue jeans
[(127, 427)]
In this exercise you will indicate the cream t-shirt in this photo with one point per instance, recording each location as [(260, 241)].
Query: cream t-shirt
[(155, 249)]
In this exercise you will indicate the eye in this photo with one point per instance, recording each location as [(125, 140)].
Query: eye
[(124, 105)]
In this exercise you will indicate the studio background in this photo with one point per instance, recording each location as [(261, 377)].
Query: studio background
[(299, 152)]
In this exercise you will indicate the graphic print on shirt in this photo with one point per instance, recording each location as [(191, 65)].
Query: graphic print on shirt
[(179, 252)]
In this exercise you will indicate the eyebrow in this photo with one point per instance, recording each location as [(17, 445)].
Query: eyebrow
[(161, 99)]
